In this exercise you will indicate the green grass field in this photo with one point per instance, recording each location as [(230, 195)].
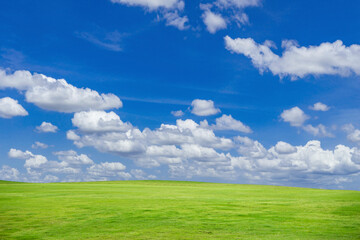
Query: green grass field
[(175, 210)]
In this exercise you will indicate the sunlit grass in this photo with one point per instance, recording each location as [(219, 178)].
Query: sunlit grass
[(175, 210)]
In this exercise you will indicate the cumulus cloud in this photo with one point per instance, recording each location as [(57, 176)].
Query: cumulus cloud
[(249, 148), (281, 164), (20, 80), (51, 178), (165, 145), (227, 122), (189, 150), (40, 161), (192, 150), (141, 175), (153, 4), (134, 142), (237, 3), (308, 159), (295, 116), (297, 62), (9, 173), (99, 121), (203, 107), (15, 153), (71, 135), (319, 130), (284, 148), (214, 22), (353, 134), (348, 128), (57, 95), (232, 10), (169, 10), (319, 107), (35, 161), (47, 127), (178, 113), (71, 157), (39, 145), (11, 108), (175, 20), (241, 19), (109, 169), (71, 165)]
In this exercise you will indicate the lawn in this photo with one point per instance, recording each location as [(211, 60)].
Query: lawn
[(175, 210)]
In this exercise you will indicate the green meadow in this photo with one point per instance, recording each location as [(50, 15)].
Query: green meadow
[(175, 210)]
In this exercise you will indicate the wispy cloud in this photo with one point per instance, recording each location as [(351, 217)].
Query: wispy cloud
[(159, 101), (110, 40), (12, 57)]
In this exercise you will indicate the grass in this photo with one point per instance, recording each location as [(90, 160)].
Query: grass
[(175, 210)]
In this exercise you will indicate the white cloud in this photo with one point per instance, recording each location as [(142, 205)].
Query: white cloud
[(153, 4), (39, 145), (71, 135), (353, 134), (71, 165), (203, 107), (218, 14), (298, 62), (35, 161), (71, 157), (11, 108), (166, 9), (140, 174), (51, 178), (284, 148), (38, 165), (111, 41), (319, 130), (135, 143), (241, 19), (190, 150), (319, 107), (15, 153), (178, 113), (214, 22), (63, 97), (173, 19), (108, 169), (302, 162), (20, 80), (164, 145), (348, 128), (282, 163), (9, 173), (227, 122), (250, 148), (47, 127), (237, 3), (295, 116), (57, 95), (99, 121)]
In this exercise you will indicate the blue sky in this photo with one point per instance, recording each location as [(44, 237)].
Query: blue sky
[(240, 91)]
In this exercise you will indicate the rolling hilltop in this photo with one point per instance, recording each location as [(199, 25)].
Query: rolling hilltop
[(175, 210)]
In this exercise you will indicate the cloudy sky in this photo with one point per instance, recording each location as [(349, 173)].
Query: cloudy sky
[(239, 91)]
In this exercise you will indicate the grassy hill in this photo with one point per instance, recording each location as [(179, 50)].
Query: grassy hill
[(175, 210)]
